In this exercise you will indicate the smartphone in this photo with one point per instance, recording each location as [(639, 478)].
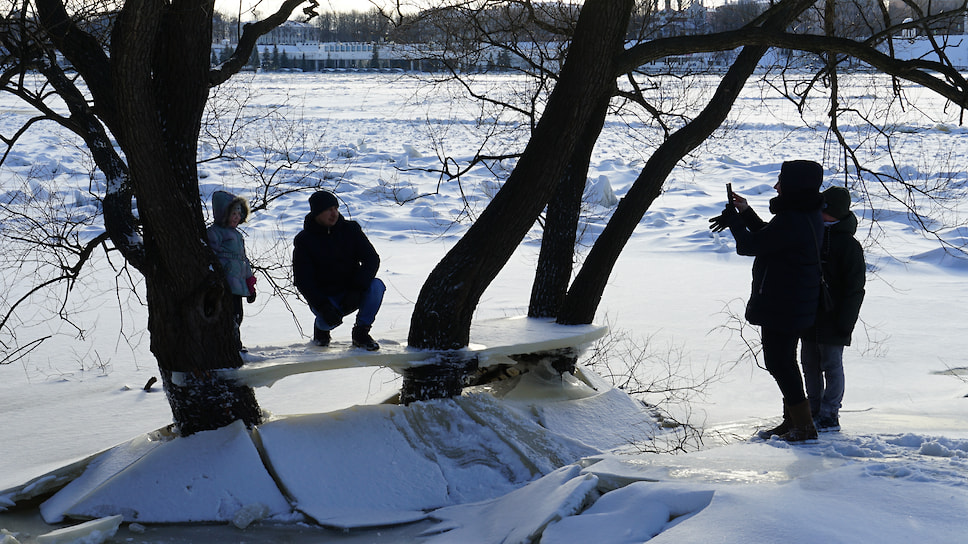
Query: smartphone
[(729, 194)]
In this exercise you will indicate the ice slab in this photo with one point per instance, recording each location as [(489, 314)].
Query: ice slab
[(634, 513), (605, 421), (209, 476), (91, 532), (518, 517), (364, 466), (352, 466), (492, 342)]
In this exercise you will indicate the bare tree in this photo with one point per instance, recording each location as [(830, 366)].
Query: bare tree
[(789, 25), (442, 316), (137, 99)]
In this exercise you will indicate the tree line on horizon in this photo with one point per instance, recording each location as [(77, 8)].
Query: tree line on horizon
[(648, 21)]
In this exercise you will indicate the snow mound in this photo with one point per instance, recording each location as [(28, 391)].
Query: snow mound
[(599, 192), (364, 466)]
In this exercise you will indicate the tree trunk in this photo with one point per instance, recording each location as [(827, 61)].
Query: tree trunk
[(586, 291), (162, 64), (151, 93), (557, 256), (442, 315)]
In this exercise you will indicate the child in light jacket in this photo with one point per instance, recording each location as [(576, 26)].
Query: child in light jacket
[(225, 239)]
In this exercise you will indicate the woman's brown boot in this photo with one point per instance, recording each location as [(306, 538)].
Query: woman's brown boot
[(802, 429), (780, 429)]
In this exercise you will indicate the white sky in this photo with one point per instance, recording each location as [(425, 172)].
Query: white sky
[(267, 6)]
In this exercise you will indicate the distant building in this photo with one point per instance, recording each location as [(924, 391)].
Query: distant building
[(290, 33), (295, 46)]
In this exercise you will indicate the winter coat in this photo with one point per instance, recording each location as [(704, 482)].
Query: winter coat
[(786, 267), (845, 271), (227, 242), (332, 261)]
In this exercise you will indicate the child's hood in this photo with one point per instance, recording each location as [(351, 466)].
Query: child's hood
[(223, 202)]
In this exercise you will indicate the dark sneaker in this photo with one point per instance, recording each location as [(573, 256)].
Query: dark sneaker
[(320, 337), (827, 424), (362, 338)]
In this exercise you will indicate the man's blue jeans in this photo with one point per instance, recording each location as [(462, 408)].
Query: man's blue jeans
[(369, 305), (823, 374)]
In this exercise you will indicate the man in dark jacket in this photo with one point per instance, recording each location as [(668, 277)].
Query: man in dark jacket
[(335, 268), (786, 281), (822, 345)]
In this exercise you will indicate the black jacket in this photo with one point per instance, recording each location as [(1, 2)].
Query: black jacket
[(786, 268), (332, 261), (846, 274)]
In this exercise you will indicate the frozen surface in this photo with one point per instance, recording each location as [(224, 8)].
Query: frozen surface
[(365, 466), (492, 342)]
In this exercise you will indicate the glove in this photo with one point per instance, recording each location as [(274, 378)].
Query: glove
[(722, 221), (250, 283)]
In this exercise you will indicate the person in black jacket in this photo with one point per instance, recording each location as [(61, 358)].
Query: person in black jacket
[(822, 345), (786, 281), (335, 266)]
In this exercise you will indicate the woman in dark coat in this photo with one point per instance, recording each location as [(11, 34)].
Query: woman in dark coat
[(786, 281)]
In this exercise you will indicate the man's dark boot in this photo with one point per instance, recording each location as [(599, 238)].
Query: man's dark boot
[(320, 337), (362, 338), (780, 429)]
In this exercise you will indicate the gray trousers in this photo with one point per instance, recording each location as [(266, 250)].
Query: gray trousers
[(823, 377)]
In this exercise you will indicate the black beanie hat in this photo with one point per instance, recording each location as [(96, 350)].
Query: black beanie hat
[(836, 202), (320, 201), (801, 177)]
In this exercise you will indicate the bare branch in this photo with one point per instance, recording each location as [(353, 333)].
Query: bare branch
[(250, 34)]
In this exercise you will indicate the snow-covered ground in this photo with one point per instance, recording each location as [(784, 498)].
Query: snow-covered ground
[(898, 471)]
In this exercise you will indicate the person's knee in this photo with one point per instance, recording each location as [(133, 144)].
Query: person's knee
[(377, 286)]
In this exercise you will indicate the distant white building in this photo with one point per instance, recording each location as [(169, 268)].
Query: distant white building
[(316, 56), (290, 32)]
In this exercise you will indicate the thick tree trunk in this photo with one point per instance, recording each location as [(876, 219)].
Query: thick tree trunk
[(447, 300), (192, 334), (161, 89), (151, 92), (442, 315)]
